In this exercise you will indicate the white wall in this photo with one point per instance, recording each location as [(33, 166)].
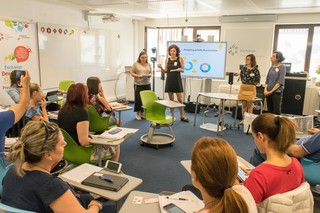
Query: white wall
[(39, 12)]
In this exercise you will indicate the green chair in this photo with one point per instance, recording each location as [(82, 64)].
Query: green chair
[(75, 154), (64, 86), (156, 114), (97, 123)]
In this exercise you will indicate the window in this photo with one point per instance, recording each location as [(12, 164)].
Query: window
[(299, 44)]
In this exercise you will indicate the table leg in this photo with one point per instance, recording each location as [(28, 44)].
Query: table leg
[(119, 119), (219, 116), (236, 114), (222, 120), (195, 112)]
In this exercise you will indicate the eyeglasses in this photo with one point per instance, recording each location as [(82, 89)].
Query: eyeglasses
[(48, 129)]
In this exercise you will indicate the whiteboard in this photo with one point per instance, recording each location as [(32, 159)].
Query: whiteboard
[(73, 53)]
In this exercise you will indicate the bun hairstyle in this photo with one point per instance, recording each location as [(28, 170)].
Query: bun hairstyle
[(215, 165), (280, 130), (175, 47), (37, 138), (279, 56)]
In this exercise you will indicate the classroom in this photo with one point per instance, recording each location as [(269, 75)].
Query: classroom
[(59, 40)]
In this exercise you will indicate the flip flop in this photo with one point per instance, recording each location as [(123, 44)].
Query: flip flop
[(184, 119)]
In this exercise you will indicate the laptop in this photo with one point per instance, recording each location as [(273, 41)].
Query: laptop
[(52, 96), (95, 181)]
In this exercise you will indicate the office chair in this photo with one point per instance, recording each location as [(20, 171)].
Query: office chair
[(311, 173), (3, 171), (10, 209), (156, 114), (64, 86), (75, 154), (97, 123)]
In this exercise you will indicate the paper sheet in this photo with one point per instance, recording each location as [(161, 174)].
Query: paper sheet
[(192, 204), (81, 172), (123, 133), (9, 141)]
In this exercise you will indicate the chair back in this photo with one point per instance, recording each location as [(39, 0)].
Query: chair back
[(9, 209), (297, 200), (97, 123), (3, 171), (311, 171), (65, 84), (75, 154), (153, 111)]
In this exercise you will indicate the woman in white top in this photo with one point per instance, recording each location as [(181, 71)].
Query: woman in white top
[(214, 169), (141, 71)]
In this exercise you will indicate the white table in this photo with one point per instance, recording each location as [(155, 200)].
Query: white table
[(119, 109), (128, 206), (223, 97), (76, 175), (171, 105)]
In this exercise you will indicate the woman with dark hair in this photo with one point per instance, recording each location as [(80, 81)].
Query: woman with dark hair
[(141, 71), (273, 89), (174, 65), (214, 169), (280, 173), (98, 100), (15, 84), (250, 77), (73, 117), (29, 185)]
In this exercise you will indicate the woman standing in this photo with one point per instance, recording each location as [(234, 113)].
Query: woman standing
[(214, 169), (15, 85), (250, 77), (173, 67), (141, 71), (273, 89), (280, 173)]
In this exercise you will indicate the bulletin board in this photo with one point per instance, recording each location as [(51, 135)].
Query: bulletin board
[(74, 53), (19, 50)]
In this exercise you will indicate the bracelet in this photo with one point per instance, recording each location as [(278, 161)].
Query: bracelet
[(93, 204)]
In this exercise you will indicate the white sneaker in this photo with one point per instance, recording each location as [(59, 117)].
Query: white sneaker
[(138, 117)]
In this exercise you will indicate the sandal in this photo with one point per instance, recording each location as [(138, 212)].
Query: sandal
[(184, 119)]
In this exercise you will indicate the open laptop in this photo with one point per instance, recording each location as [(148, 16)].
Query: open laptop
[(95, 181), (52, 96)]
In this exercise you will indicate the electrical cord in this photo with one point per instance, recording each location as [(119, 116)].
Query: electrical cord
[(115, 88)]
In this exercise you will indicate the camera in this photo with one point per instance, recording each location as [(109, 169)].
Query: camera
[(113, 166), (19, 73)]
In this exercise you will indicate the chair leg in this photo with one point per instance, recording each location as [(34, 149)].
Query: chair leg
[(171, 131), (150, 132)]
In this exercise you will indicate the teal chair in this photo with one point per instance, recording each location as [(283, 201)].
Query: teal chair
[(3, 171), (75, 154), (97, 123), (10, 209), (311, 171), (156, 114)]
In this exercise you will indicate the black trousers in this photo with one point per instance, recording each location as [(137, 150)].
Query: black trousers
[(137, 98), (274, 103)]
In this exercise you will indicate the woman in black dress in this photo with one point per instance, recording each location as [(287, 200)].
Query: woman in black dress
[(173, 67)]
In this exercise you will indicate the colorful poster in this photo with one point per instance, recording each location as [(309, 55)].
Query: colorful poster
[(18, 50)]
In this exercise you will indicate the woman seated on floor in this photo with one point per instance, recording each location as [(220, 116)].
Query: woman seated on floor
[(280, 173), (214, 169), (29, 185), (98, 100), (73, 117)]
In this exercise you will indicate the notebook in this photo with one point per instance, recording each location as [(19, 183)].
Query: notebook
[(95, 181), (52, 96)]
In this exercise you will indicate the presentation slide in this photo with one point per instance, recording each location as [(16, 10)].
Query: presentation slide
[(203, 59)]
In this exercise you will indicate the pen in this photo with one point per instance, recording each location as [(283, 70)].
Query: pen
[(176, 198), (106, 179)]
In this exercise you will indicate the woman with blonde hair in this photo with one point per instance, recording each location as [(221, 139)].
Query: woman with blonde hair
[(280, 173), (29, 185), (214, 169)]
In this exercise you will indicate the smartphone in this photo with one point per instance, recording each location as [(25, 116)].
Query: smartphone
[(19, 73), (113, 166), (115, 131), (173, 208), (242, 175)]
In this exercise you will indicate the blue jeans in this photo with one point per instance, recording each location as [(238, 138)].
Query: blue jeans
[(257, 157)]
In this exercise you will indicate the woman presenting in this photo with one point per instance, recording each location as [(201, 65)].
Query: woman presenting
[(141, 71), (173, 67), (250, 77), (273, 89)]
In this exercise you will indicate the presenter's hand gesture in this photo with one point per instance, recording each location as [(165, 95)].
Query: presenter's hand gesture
[(25, 80)]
